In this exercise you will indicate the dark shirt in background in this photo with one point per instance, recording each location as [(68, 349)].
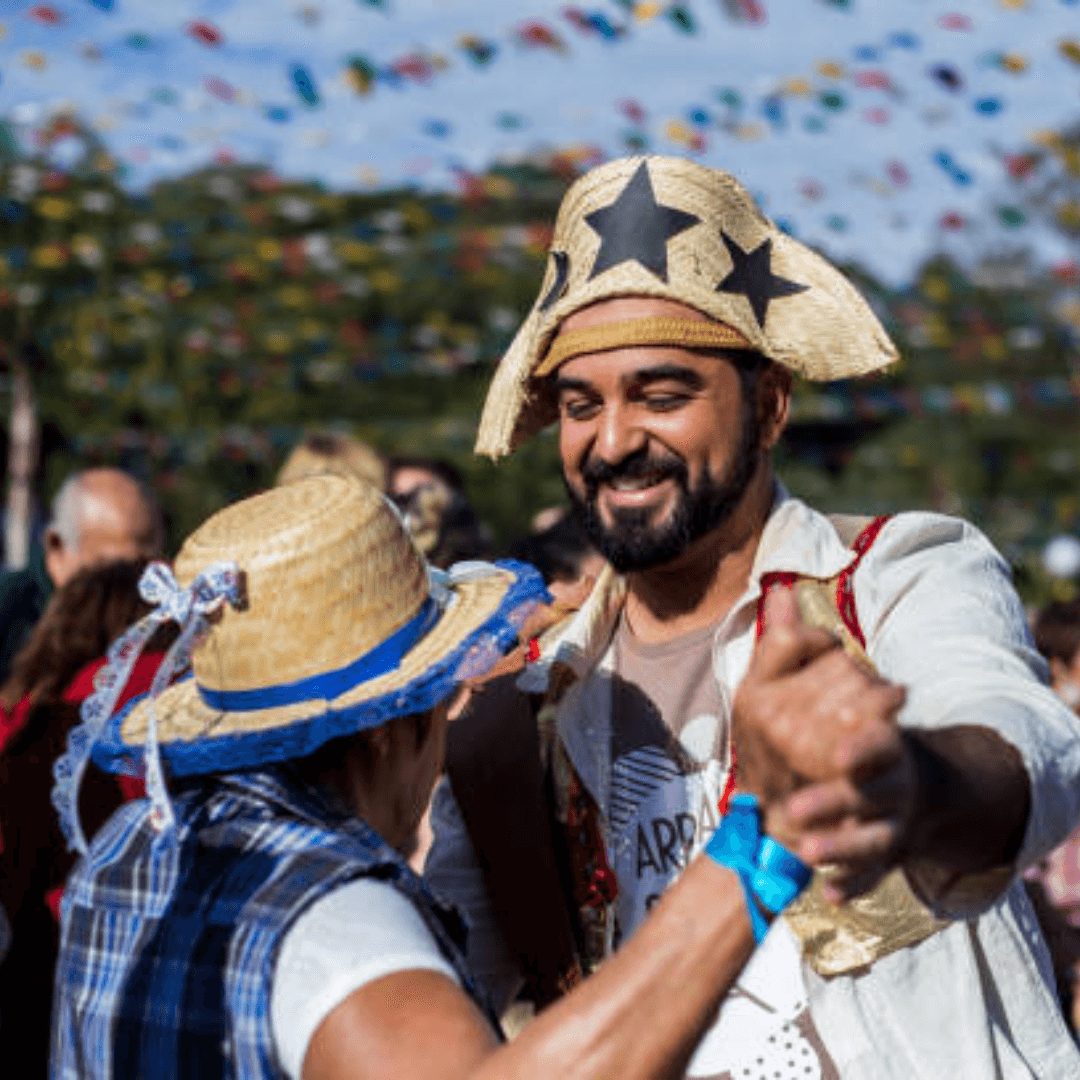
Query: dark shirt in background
[(23, 596)]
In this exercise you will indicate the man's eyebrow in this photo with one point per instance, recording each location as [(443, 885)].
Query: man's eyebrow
[(564, 384), (642, 377), (668, 372)]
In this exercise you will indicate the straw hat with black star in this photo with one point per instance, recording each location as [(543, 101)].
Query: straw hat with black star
[(667, 227)]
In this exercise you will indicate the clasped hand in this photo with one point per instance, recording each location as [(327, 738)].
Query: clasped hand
[(817, 741)]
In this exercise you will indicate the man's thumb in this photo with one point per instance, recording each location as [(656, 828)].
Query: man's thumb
[(781, 609)]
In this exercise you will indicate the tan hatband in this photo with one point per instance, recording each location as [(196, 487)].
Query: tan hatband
[(658, 330)]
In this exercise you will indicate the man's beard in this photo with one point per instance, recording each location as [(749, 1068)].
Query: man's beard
[(630, 542)]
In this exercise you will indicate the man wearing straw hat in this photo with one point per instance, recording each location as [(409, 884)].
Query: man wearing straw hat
[(254, 916), (671, 321)]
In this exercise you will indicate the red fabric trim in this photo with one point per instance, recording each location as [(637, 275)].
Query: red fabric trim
[(845, 590), (601, 885), (52, 901), (729, 785), (785, 579), (131, 787)]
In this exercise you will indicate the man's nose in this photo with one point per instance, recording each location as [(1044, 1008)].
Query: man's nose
[(618, 435)]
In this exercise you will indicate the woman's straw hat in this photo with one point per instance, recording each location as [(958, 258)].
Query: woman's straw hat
[(667, 227), (339, 627)]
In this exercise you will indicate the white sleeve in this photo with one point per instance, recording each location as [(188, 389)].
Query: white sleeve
[(940, 616), (350, 937), (454, 874)]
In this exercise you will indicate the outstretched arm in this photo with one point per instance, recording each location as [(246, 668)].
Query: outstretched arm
[(642, 1014), (984, 777), (967, 797)]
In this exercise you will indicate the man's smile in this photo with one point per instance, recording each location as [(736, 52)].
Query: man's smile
[(629, 492)]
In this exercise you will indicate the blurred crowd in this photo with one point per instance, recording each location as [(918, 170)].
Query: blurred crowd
[(79, 592)]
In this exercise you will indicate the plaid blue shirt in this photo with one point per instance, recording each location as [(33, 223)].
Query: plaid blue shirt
[(169, 943)]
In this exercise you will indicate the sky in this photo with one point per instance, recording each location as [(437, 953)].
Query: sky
[(860, 125)]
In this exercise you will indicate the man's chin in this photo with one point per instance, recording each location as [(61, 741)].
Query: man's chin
[(632, 543), (631, 539), (637, 519)]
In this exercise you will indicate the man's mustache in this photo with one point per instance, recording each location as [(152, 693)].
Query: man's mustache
[(636, 466)]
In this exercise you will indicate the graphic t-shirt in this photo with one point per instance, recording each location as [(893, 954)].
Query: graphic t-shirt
[(670, 757)]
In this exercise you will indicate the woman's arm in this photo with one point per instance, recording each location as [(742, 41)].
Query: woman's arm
[(640, 1015), (643, 1012)]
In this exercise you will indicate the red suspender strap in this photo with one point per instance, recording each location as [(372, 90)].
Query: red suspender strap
[(845, 590), (729, 785)]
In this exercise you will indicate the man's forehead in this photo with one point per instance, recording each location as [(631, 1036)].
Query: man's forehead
[(122, 499), (114, 508), (132, 517)]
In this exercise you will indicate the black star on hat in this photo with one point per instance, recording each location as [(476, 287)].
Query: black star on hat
[(752, 277), (636, 227), (558, 285)]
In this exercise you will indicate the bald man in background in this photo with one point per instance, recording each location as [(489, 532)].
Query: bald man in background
[(97, 515)]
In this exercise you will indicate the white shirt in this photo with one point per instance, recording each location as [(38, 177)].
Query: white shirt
[(941, 618), (345, 940)]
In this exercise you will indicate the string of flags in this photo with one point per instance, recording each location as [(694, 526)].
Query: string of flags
[(807, 100)]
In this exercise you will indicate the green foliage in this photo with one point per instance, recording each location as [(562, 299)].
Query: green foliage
[(193, 333)]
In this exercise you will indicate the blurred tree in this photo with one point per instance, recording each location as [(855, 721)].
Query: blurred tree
[(192, 334)]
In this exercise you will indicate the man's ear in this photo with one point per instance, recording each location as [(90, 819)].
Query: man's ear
[(55, 557), (773, 402)]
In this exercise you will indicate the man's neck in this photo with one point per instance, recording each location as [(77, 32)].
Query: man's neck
[(702, 585)]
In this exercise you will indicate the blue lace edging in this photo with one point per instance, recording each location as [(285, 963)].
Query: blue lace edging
[(229, 753)]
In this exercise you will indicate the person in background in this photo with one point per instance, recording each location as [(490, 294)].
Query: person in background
[(96, 515), (333, 452), (565, 555), (1054, 883), (1057, 635), (430, 492), (52, 675)]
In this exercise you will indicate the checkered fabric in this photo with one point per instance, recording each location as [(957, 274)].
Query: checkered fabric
[(169, 940)]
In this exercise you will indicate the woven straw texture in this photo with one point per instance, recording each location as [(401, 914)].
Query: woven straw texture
[(824, 331), (329, 574), (688, 333)]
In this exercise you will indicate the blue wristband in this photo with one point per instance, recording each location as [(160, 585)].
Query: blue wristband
[(768, 873)]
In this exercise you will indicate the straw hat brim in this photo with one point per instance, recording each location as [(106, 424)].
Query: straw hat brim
[(195, 738)]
